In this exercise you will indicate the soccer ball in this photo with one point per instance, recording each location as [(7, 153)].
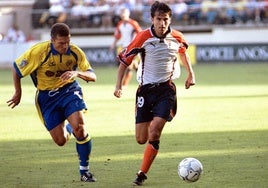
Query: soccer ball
[(190, 169)]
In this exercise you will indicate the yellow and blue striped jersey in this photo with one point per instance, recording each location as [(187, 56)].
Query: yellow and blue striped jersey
[(46, 65)]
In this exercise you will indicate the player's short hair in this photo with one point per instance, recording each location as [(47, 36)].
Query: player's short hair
[(60, 29), (160, 7)]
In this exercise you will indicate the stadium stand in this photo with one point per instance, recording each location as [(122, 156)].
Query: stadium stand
[(101, 13), (101, 16)]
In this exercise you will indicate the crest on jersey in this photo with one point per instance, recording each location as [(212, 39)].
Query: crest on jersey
[(68, 63), (51, 64)]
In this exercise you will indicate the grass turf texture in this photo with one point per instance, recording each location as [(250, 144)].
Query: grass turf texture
[(222, 121)]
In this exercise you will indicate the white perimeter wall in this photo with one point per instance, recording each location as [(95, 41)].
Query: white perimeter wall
[(234, 35), (217, 36), (230, 35)]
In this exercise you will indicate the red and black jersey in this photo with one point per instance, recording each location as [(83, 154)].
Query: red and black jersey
[(159, 56)]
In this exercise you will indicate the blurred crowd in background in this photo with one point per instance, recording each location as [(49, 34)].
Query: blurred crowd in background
[(105, 13)]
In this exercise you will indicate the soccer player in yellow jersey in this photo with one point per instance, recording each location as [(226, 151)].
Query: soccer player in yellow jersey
[(53, 66)]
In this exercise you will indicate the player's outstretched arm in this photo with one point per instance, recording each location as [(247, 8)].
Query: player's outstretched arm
[(15, 100)]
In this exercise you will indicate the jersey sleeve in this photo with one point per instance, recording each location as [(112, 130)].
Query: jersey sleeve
[(136, 26), (126, 55), (29, 61), (117, 33), (82, 61), (180, 38)]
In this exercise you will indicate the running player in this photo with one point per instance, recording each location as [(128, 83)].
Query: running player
[(125, 31), (53, 66), (159, 46)]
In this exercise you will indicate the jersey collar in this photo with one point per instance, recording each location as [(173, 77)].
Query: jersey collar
[(55, 52), (153, 31)]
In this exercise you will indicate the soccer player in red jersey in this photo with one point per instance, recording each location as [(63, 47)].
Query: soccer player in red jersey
[(159, 47), (125, 31)]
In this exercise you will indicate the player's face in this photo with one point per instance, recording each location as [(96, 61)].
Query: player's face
[(61, 44), (124, 15), (161, 23)]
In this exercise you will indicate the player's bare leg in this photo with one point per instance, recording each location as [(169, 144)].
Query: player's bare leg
[(59, 134)]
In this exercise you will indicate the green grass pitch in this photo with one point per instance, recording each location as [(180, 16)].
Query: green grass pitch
[(222, 121)]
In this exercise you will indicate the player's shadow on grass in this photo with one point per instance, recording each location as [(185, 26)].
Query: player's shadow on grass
[(115, 160)]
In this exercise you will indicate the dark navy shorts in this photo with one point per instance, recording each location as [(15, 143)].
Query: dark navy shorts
[(156, 100), (56, 105)]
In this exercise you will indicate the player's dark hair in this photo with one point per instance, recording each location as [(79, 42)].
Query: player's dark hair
[(60, 29), (160, 7)]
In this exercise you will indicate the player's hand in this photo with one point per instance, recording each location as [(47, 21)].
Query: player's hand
[(15, 100), (190, 81), (68, 75), (118, 93)]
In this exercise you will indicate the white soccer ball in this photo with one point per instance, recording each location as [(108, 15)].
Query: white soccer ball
[(190, 169)]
